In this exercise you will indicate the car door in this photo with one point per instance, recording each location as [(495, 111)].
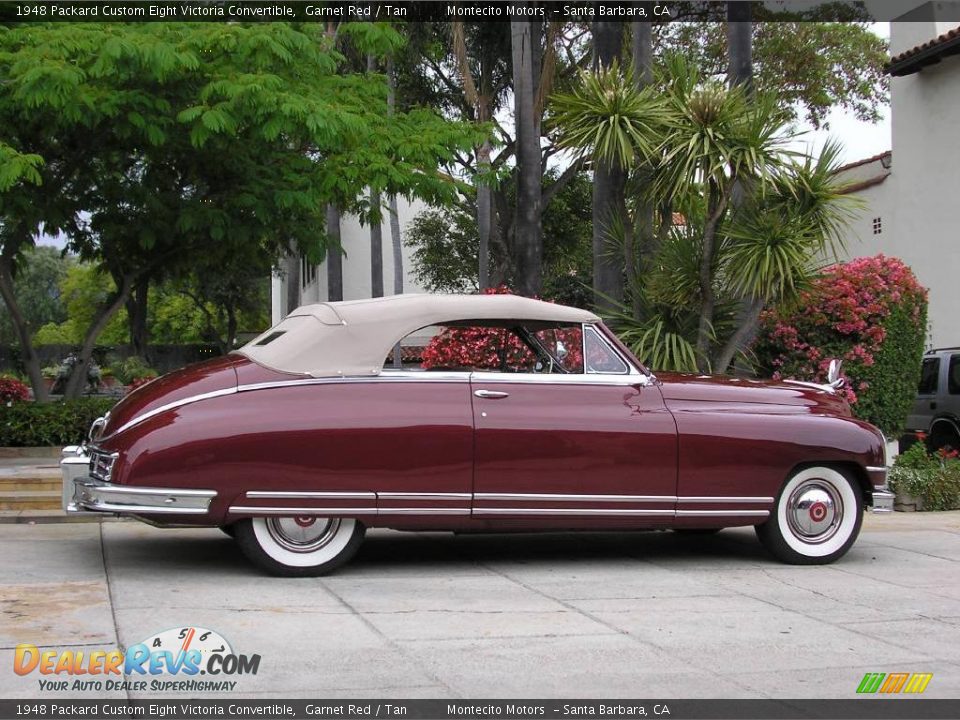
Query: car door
[(925, 405), (594, 448)]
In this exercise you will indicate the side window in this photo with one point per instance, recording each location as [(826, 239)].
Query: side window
[(564, 345), (928, 376), (540, 348), (599, 356), (953, 377)]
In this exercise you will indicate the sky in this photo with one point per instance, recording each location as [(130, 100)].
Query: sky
[(860, 139)]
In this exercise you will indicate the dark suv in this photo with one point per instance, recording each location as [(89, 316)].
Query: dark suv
[(936, 411)]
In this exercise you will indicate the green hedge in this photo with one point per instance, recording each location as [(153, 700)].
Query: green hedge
[(30, 424)]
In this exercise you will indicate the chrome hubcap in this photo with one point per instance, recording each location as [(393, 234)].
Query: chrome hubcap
[(814, 511), (302, 534)]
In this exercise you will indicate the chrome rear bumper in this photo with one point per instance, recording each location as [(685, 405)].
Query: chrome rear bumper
[(90, 494)]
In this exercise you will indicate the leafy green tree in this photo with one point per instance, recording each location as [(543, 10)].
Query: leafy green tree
[(41, 271), (446, 244), (83, 289), (162, 146), (813, 67)]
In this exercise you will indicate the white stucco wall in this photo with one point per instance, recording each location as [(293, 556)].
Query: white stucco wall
[(926, 150), (356, 263), (918, 201)]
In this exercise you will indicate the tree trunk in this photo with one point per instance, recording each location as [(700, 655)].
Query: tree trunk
[(395, 239), (748, 322), (231, 328), (376, 227), (334, 255), (293, 261), (27, 352), (376, 250), (528, 240), (137, 318), (644, 236), (78, 378), (717, 200), (740, 45), (609, 188)]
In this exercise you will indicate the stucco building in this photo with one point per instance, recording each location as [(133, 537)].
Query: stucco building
[(911, 193), (355, 239)]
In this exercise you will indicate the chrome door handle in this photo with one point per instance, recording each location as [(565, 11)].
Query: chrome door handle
[(490, 394)]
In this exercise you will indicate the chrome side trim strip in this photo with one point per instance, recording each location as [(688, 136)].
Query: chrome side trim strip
[(423, 496), (723, 513), (173, 406), (419, 377), (569, 511), (133, 490), (690, 499), (285, 495), (875, 469), (535, 497), (302, 511), (423, 511)]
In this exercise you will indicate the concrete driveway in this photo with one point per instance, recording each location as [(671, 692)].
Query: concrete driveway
[(438, 615)]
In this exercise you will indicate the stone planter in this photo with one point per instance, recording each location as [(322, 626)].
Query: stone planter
[(904, 502)]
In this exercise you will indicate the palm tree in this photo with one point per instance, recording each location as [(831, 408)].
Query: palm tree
[(700, 140)]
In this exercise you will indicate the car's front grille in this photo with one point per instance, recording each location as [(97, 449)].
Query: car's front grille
[(101, 465)]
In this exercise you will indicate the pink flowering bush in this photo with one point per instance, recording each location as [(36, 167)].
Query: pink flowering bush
[(12, 390), (490, 348), (869, 312)]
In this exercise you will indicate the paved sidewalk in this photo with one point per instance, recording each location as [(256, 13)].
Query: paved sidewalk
[(438, 615)]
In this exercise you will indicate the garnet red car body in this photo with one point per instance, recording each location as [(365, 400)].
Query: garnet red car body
[(304, 459)]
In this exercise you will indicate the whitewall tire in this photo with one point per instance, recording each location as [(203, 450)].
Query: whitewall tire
[(299, 546), (816, 519)]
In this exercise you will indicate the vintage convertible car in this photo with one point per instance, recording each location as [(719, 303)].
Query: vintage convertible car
[(502, 414)]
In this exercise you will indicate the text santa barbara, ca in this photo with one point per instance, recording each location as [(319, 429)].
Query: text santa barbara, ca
[(253, 10)]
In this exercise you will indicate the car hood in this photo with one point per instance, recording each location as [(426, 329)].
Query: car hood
[(681, 387), (216, 375)]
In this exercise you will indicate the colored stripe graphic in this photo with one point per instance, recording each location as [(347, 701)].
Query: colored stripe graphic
[(894, 682), (871, 682), (918, 682)]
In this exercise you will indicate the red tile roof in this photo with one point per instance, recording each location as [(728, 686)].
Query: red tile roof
[(928, 53), (865, 161)]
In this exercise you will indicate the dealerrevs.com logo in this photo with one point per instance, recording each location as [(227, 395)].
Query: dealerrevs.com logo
[(893, 683), (182, 653)]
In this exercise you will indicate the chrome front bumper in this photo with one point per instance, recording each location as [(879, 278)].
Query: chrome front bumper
[(883, 501), (90, 494), (882, 497)]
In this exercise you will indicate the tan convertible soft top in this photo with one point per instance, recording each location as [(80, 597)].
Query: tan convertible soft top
[(355, 337)]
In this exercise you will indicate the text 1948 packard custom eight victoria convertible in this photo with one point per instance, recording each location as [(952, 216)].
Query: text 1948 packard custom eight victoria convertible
[(519, 415)]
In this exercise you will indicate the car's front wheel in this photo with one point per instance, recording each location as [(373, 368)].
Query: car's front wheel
[(299, 546), (817, 517)]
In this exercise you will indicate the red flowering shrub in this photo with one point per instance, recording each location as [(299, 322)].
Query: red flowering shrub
[(12, 390), (869, 312), (491, 348)]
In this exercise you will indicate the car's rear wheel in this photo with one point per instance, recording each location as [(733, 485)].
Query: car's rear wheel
[(816, 519), (299, 546)]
